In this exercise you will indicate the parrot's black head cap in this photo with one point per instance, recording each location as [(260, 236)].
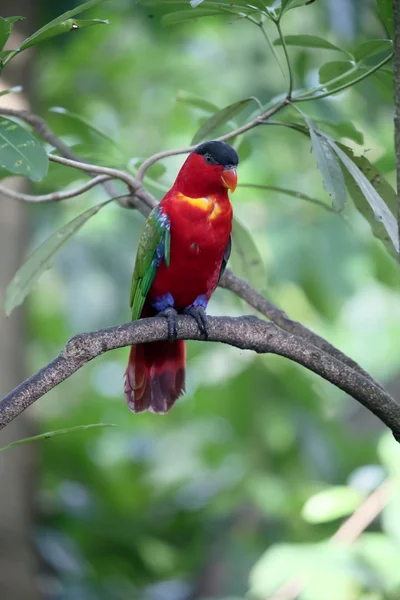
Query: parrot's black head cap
[(218, 153)]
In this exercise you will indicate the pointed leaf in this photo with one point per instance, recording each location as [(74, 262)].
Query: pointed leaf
[(220, 118), (5, 28), (41, 260), (382, 188), (59, 110), (385, 9), (381, 211), (192, 100), (308, 41), (372, 48), (188, 15), (330, 169), (56, 27), (246, 259), (20, 152), (345, 129), (17, 89), (289, 4), (57, 432), (331, 70), (60, 28)]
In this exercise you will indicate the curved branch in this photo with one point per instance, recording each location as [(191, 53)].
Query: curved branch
[(242, 289), (54, 196), (134, 186), (247, 333), (223, 138)]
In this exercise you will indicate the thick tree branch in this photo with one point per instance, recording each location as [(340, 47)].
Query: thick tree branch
[(247, 333)]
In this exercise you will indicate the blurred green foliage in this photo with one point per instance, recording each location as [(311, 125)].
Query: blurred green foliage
[(239, 487)]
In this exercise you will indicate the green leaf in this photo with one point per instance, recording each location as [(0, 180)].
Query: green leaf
[(330, 169), (246, 259), (380, 209), (382, 188), (51, 434), (41, 260), (385, 9), (372, 48), (188, 15), (290, 4), (20, 152), (331, 70), (60, 25), (5, 28), (331, 504), (60, 28), (59, 110), (308, 41), (192, 100), (324, 568), (345, 129), (220, 118), (244, 150)]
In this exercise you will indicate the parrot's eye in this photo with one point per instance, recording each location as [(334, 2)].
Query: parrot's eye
[(209, 159)]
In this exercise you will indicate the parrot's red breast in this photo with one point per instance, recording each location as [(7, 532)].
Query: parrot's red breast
[(196, 215)]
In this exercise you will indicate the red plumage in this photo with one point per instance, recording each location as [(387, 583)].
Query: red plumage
[(200, 217)]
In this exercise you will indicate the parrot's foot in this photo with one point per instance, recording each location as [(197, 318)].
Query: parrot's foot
[(172, 319), (199, 315)]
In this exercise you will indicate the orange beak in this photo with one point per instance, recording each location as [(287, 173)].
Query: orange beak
[(229, 179)]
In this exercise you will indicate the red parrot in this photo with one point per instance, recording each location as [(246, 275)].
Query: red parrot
[(182, 253)]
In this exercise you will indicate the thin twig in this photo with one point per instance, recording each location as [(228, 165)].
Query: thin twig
[(54, 196), (223, 138), (247, 333), (134, 187), (348, 532)]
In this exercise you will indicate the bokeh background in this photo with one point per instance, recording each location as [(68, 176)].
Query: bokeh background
[(222, 497)]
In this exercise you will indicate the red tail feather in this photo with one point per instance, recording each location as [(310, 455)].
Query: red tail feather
[(155, 376)]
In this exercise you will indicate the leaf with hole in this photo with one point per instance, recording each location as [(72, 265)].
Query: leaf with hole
[(330, 169), (246, 259), (220, 118), (372, 48), (20, 152), (57, 26), (57, 432), (42, 258), (381, 189), (308, 41)]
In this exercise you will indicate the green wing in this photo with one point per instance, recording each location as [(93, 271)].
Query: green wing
[(154, 245)]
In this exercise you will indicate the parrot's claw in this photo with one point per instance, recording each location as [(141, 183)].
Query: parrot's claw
[(172, 319), (199, 315)]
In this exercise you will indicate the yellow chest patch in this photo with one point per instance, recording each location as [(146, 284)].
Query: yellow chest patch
[(208, 205)]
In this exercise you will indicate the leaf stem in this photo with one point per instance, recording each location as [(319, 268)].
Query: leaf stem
[(289, 66)]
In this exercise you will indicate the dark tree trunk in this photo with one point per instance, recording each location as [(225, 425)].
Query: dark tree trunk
[(18, 568)]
